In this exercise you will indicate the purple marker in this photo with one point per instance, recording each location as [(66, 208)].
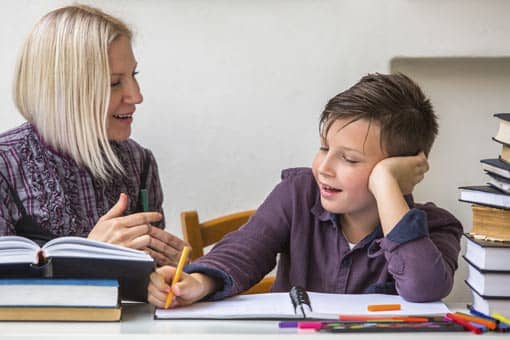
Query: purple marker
[(288, 324)]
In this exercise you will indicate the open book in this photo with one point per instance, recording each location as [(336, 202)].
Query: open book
[(280, 306), (76, 257)]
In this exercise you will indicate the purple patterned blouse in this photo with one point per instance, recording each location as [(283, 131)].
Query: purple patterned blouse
[(63, 197)]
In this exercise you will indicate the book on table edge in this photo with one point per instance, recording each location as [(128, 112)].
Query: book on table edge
[(488, 282), (484, 195), (78, 258), (488, 255), (50, 292), (489, 304), (60, 314)]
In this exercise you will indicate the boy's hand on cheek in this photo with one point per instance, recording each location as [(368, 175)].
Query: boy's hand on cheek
[(405, 171), (392, 178)]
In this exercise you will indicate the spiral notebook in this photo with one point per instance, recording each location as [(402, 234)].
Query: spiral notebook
[(299, 304)]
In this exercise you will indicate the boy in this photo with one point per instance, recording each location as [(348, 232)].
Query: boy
[(348, 225)]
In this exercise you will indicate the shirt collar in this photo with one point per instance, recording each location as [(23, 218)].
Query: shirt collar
[(323, 215)]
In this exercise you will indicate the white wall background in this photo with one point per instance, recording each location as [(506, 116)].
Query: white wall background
[(233, 89)]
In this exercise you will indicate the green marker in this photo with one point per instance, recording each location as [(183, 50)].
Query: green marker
[(144, 197)]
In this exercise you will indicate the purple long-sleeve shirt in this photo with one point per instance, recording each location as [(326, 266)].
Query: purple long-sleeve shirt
[(63, 197), (417, 259)]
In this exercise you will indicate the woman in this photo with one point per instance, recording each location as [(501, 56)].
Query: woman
[(71, 169)]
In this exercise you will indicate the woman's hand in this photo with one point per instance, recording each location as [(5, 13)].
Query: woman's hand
[(135, 231)]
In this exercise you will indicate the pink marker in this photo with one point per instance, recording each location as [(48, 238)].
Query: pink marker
[(310, 325)]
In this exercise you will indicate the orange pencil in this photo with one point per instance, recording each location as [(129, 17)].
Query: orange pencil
[(177, 275), (383, 308)]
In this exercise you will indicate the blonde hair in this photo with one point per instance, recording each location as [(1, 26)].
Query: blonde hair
[(62, 84)]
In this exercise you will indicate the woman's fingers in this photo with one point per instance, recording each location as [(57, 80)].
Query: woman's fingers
[(169, 239)]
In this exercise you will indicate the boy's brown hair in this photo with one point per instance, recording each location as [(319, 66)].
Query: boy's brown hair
[(405, 116)]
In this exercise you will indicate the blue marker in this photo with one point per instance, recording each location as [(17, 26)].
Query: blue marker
[(500, 326)]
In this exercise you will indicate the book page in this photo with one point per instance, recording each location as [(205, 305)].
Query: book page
[(72, 246), (263, 306), (17, 249), (332, 305)]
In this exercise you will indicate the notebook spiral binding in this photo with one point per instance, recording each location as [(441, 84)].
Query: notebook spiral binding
[(299, 299)]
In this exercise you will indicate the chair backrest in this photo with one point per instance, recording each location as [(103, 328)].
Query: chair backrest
[(202, 234)]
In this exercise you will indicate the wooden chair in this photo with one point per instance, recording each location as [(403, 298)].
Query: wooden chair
[(203, 234)]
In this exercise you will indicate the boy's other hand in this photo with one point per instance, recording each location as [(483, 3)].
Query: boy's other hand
[(191, 287), (406, 171)]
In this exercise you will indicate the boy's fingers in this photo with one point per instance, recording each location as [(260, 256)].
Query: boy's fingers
[(155, 301), (158, 280), (185, 289), (157, 293)]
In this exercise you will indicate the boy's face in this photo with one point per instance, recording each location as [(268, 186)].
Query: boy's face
[(343, 165)]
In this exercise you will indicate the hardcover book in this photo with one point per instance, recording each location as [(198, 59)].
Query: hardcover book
[(80, 258), (490, 304), (488, 255), (499, 182), (504, 155), (496, 166), (489, 282), (490, 223), (485, 195), (60, 314), (59, 292), (503, 134)]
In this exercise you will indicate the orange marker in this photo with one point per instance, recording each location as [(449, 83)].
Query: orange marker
[(383, 308), (177, 275)]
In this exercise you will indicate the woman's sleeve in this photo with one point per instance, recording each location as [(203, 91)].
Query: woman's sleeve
[(154, 188), (7, 208)]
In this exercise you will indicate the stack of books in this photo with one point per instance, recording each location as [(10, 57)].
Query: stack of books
[(489, 275), (488, 242), (69, 278), (497, 193)]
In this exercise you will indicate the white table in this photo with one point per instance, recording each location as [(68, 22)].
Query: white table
[(137, 322)]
